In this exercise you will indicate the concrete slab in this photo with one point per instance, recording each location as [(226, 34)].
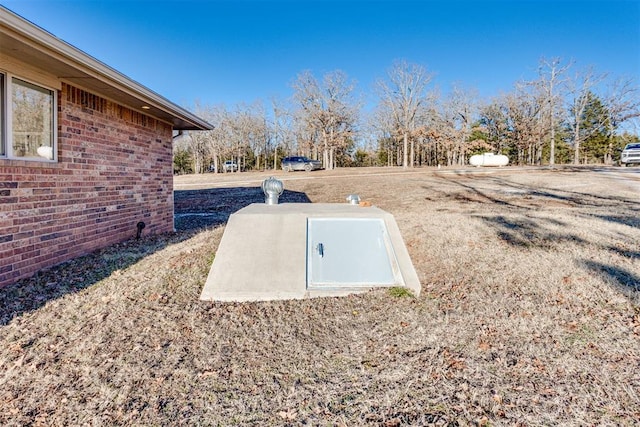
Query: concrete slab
[(263, 253)]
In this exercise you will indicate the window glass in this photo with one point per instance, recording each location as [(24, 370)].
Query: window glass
[(31, 120)]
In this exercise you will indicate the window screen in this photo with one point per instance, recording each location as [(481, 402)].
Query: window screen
[(31, 120)]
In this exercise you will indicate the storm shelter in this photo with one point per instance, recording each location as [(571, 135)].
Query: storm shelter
[(303, 250)]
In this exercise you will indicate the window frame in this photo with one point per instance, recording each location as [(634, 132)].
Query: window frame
[(6, 119), (3, 116)]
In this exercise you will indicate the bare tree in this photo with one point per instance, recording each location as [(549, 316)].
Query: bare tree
[(383, 127), (308, 96), (524, 110), (248, 133), (341, 112), (402, 96), (284, 133), (494, 123), (215, 142), (280, 129), (326, 112), (550, 81), (197, 145), (579, 94), (623, 102), (458, 112), (255, 132)]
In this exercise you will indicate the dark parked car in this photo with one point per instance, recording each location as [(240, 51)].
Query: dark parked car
[(299, 163), (630, 154)]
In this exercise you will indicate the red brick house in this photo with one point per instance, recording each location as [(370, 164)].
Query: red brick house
[(85, 152)]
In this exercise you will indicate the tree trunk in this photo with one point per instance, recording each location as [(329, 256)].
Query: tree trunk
[(552, 151), (332, 160), (405, 152), (413, 154), (576, 145), (275, 159)]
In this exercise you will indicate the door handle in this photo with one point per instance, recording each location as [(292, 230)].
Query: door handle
[(320, 249)]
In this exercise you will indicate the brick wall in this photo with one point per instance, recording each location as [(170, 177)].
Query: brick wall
[(114, 169)]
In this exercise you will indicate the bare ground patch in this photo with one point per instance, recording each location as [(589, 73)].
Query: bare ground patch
[(529, 315)]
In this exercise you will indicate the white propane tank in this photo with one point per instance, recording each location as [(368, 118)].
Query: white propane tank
[(488, 159)]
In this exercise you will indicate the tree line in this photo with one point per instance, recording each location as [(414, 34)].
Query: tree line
[(562, 116)]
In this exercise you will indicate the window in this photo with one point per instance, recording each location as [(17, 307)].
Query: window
[(27, 120)]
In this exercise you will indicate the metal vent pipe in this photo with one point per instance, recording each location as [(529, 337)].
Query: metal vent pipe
[(272, 189), (353, 199)]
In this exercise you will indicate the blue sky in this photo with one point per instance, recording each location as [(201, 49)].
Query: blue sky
[(232, 52)]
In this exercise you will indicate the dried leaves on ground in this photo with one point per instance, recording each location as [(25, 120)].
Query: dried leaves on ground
[(529, 315)]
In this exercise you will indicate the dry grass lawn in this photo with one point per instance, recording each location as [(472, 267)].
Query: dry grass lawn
[(529, 314)]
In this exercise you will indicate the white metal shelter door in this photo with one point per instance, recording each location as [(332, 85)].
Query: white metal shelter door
[(350, 252)]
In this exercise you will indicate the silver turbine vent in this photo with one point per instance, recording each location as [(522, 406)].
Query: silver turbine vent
[(272, 189)]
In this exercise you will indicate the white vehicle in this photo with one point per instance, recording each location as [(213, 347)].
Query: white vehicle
[(630, 154), (230, 166)]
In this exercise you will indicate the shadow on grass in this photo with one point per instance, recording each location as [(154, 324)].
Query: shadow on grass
[(624, 251), (569, 197), (626, 281), (630, 220), (77, 274), (523, 197), (195, 211), (477, 195), (525, 232)]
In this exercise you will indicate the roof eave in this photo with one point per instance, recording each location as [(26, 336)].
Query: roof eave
[(89, 72)]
